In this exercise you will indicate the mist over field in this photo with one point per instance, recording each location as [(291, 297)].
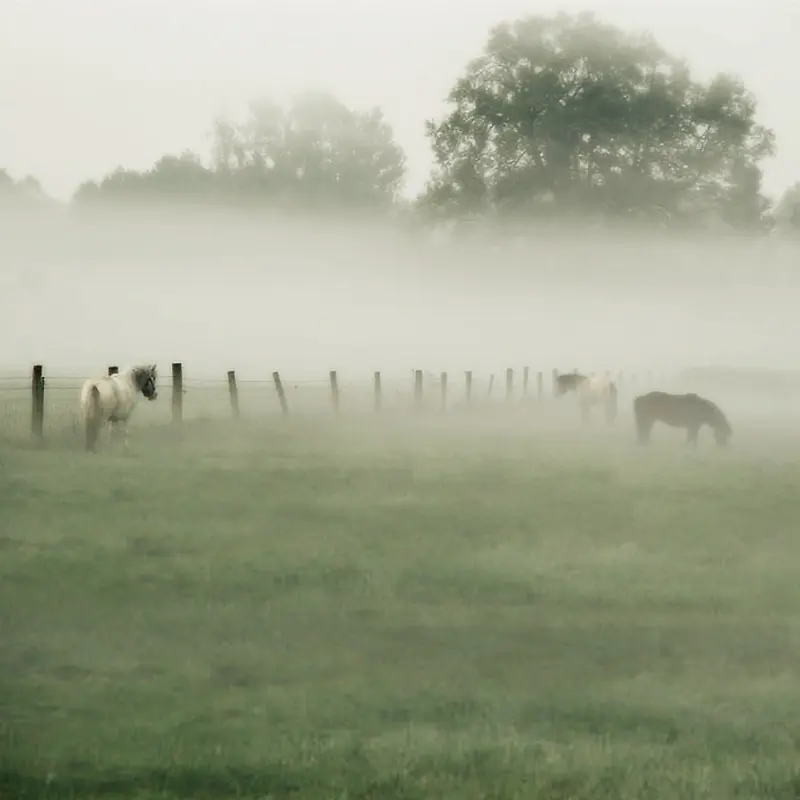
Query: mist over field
[(222, 291), (443, 571)]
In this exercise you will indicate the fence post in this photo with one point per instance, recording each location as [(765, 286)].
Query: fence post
[(491, 386), (539, 385), (276, 378), (525, 373), (113, 370), (37, 402), (376, 382), (177, 392), (233, 393), (509, 383), (334, 390), (468, 378), (555, 382), (444, 390), (418, 388)]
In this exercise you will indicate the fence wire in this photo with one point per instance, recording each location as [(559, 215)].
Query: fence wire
[(209, 398)]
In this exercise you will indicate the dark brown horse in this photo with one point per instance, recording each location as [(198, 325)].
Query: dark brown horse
[(569, 382), (689, 411)]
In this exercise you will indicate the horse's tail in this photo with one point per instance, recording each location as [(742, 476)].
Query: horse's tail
[(93, 414)]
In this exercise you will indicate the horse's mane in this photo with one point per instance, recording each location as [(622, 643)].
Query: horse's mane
[(141, 373), (718, 418)]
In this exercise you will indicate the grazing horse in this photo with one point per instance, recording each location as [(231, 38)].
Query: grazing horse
[(591, 391), (113, 398), (688, 411)]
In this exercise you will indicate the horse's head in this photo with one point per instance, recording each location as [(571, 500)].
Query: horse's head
[(721, 427), (145, 378), (723, 433), (568, 382)]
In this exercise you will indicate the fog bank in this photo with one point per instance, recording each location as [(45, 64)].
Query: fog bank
[(222, 291)]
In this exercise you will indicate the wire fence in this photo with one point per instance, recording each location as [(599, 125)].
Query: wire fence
[(47, 405)]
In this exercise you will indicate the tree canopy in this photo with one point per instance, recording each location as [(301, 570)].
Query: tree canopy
[(172, 177), (560, 117), (787, 212), (25, 192), (315, 154), (567, 115)]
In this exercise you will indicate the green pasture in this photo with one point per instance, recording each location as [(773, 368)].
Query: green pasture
[(451, 606)]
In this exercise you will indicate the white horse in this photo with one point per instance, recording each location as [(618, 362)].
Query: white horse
[(594, 391), (113, 398)]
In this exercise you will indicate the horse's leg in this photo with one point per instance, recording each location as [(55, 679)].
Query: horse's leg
[(125, 445), (691, 436), (118, 433), (643, 429)]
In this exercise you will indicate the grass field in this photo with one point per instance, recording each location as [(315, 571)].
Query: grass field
[(418, 609)]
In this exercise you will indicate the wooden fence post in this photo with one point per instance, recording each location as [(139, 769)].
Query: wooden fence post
[(334, 390), (539, 385), (113, 370), (37, 402), (509, 383), (376, 383), (276, 378), (233, 393), (177, 392), (468, 378), (444, 390), (525, 373), (418, 388)]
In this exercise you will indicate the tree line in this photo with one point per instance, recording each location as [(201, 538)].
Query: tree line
[(560, 117)]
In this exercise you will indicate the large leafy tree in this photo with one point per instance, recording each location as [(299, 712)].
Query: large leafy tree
[(315, 153), (566, 114)]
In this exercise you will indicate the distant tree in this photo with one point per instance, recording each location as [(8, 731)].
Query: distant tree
[(317, 153), (567, 115), (25, 194), (172, 178), (786, 214), (7, 183)]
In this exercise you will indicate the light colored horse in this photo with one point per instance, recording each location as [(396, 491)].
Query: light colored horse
[(113, 398), (598, 390), (591, 390)]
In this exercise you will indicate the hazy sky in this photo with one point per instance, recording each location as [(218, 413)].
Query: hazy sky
[(86, 85)]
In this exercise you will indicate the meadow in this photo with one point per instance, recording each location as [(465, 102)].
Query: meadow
[(469, 605)]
